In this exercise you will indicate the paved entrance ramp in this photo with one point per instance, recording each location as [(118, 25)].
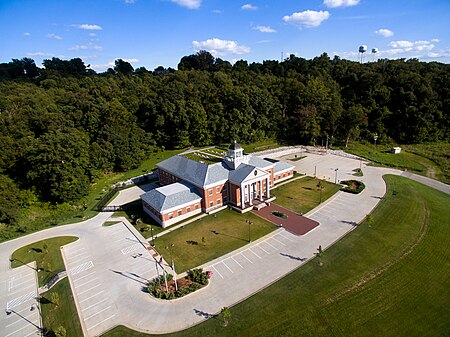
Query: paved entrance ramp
[(295, 223)]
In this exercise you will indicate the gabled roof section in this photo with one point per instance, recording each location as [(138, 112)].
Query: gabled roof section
[(216, 172), (171, 196), (282, 166), (245, 171)]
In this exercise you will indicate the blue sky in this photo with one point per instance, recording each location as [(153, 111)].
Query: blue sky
[(160, 32)]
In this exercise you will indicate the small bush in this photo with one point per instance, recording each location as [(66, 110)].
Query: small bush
[(353, 186), (279, 214), (197, 275)]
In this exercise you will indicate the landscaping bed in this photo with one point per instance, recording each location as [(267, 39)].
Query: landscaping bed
[(353, 186)]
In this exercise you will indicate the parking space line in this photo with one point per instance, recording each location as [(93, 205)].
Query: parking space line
[(82, 277), (18, 277), (97, 313), (31, 333), (270, 244), (279, 241), (131, 248), (92, 327), (259, 246), (237, 262), (21, 299), (14, 285), (255, 253), (85, 291), (281, 234), (227, 266), (82, 267), (217, 272), (76, 255), (91, 296), (93, 305), (21, 319), (80, 285), (21, 289), (245, 257), (76, 250), (12, 333)]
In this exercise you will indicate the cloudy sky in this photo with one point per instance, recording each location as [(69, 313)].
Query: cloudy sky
[(159, 32)]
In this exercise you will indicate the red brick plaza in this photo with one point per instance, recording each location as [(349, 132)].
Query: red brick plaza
[(295, 223)]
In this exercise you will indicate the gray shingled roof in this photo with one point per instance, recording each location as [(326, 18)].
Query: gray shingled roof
[(170, 196), (281, 166), (243, 171), (259, 162)]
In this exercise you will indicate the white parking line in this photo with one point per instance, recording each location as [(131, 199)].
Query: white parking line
[(254, 253), (82, 267), (131, 248), (80, 285), (217, 272), (82, 277), (12, 333), (97, 313), (93, 305), (31, 333), (15, 285), (245, 257), (92, 327), (237, 262), (259, 246), (281, 234), (270, 244), (91, 296), (19, 300), (76, 255), (22, 289), (85, 291), (78, 249), (227, 266), (279, 241)]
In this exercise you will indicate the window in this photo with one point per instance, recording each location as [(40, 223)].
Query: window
[(211, 204), (196, 206), (180, 212), (188, 209), (218, 202), (210, 191), (170, 215), (218, 189)]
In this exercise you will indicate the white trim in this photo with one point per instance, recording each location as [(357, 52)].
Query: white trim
[(175, 208), (180, 218)]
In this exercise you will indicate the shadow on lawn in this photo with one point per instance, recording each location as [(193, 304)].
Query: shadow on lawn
[(230, 236)]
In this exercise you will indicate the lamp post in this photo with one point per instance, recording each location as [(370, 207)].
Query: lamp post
[(249, 236), (152, 243), (315, 171), (335, 177), (375, 137)]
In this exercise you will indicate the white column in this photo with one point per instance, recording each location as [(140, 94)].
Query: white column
[(242, 195), (267, 189), (260, 190)]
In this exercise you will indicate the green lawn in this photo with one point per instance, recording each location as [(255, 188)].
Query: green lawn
[(224, 232), (389, 277), (260, 146), (302, 195), (47, 255), (63, 313)]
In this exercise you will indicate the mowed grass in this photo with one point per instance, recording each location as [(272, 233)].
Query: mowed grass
[(47, 255), (63, 313), (302, 195), (388, 277), (223, 232)]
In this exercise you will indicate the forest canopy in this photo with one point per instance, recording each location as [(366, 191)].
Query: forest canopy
[(63, 124)]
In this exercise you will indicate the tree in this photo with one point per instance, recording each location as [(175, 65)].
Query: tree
[(225, 315), (60, 331), (123, 67), (10, 201), (54, 298)]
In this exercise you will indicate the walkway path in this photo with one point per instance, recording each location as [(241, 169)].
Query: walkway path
[(108, 266)]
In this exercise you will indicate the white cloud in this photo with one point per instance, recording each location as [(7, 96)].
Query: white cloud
[(92, 34), (89, 46), (249, 7), (217, 11), (86, 26), (54, 36), (218, 47), (26, 34), (191, 4), (340, 3), (132, 60), (435, 40), (130, 1), (307, 18), (412, 45), (265, 29), (384, 32), (39, 53)]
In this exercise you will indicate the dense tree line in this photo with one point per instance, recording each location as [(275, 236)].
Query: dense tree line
[(62, 125)]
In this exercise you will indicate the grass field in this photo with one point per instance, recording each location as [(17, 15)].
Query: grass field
[(63, 313), (431, 160), (388, 277), (260, 146), (302, 195), (223, 232), (47, 255)]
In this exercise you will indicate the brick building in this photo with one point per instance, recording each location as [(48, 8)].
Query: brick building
[(203, 180)]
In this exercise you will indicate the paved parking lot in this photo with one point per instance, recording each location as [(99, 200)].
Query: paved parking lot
[(101, 271), (20, 290)]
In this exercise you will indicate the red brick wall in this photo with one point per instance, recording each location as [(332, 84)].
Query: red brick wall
[(215, 195), (151, 209), (235, 194), (165, 178), (166, 216), (284, 175)]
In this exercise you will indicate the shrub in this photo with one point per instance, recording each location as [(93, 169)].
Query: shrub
[(197, 275), (279, 214), (353, 186)]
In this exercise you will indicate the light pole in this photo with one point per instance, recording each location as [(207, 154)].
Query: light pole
[(375, 137), (152, 241), (315, 171), (249, 236), (335, 177), (169, 248)]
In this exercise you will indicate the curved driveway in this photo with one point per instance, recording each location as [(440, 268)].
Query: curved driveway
[(108, 266)]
